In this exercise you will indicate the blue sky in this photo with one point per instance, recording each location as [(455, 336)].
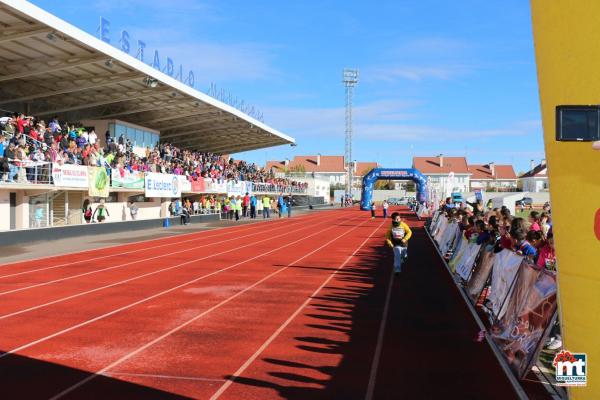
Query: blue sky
[(451, 77)]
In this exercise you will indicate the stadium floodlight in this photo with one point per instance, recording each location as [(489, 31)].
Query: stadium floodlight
[(51, 36), (109, 63), (350, 81), (151, 82)]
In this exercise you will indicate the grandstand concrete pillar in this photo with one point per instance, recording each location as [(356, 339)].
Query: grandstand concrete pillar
[(22, 210), (164, 207)]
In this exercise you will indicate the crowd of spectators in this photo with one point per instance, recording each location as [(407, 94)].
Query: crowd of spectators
[(27, 141), (531, 237)]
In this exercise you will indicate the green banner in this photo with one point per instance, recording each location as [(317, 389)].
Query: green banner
[(98, 182)]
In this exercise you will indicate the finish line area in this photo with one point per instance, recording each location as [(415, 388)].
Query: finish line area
[(284, 309)]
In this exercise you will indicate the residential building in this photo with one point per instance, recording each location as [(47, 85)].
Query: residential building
[(536, 179), (445, 174), (331, 167), (491, 176)]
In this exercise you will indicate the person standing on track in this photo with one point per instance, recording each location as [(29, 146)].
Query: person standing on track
[(373, 208), (280, 205), (245, 205), (385, 209), (289, 206), (397, 238), (253, 207), (102, 212), (266, 207)]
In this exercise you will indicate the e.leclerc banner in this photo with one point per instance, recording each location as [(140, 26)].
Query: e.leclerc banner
[(162, 185)]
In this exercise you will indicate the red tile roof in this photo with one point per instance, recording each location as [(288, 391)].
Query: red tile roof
[(431, 165), (502, 172), (326, 164), (540, 171), (362, 167)]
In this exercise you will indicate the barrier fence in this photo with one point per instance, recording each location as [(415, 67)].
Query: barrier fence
[(99, 180), (519, 299)]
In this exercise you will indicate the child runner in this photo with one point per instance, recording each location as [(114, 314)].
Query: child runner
[(397, 238), (385, 209), (373, 210)]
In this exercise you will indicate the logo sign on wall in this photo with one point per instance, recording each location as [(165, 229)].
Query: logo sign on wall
[(162, 185), (70, 175), (570, 368)]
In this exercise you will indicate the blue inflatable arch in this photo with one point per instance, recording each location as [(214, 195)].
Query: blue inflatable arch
[(392, 174)]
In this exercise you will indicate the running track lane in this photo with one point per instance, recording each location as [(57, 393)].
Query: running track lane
[(84, 308), (85, 278), (126, 325)]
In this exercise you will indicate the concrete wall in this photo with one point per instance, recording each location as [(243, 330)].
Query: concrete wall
[(45, 234), (4, 210)]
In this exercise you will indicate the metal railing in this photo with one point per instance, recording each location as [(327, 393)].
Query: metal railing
[(27, 172)]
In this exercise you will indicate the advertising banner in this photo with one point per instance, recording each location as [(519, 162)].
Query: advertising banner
[(161, 185), (215, 186), (184, 184), (98, 182), (530, 312), (480, 274), (70, 175), (239, 188), (198, 186), (127, 179), (504, 270)]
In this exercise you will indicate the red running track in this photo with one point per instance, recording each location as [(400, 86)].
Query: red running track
[(285, 309)]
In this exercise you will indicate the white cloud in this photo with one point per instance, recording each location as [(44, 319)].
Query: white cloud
[(385, 120), (415, 73)]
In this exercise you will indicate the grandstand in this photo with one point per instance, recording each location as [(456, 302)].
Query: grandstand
[(53, 70)]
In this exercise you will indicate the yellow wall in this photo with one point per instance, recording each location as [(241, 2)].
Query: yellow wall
[(567, 47)]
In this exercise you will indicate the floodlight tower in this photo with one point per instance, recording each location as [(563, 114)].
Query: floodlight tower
[(350, 80)]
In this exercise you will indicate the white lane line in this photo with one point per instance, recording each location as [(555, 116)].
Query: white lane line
[(186, 378), (199, 236), (73, 296), (266, 344), (95, 319), (96, 271), (183, 325), (377, 356)]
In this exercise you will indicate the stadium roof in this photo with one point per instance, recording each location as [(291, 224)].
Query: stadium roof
[(49, 67)]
